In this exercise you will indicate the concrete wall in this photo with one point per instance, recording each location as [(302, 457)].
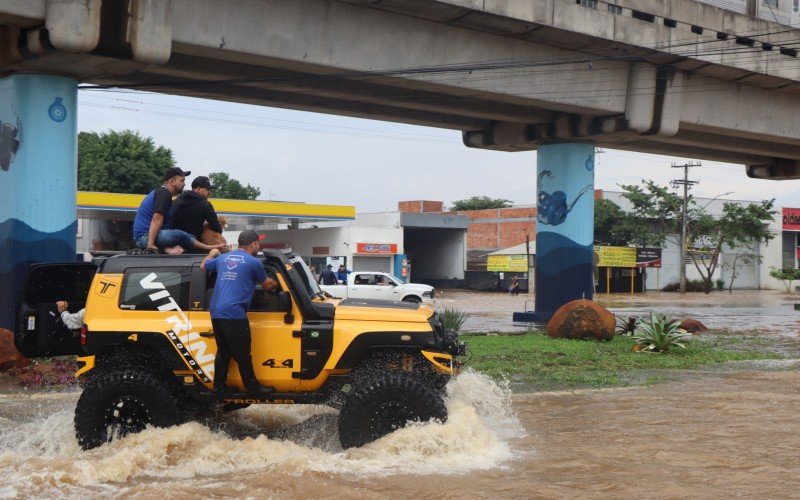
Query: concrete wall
[(436, 253)]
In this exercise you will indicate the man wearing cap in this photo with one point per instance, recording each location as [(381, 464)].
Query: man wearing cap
[(151, 227), (238, 273), (192, 208)]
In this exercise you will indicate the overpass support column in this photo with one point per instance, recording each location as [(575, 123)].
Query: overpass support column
[(38, 155), (565, 226)]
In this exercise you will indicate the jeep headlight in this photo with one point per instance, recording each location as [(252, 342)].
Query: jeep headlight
[(430, 293)]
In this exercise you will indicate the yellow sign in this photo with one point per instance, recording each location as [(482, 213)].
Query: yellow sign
[(615, 256), (511, 263)]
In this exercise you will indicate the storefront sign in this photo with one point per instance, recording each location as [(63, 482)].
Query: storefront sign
[(648, 257), (320, 250), (376, 248), (615, 256), (510, 263), (791, 219)]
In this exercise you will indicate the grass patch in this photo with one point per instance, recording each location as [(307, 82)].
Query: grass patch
[(535, 361)]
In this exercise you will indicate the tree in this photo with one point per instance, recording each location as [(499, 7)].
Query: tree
[(121, 162), (232, 189), (786, 276), (656, 218), (480, 203), (610, 224), (743, 258)]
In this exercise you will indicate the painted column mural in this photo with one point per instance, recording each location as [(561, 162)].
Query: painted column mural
[(565, 226), (38, 179)]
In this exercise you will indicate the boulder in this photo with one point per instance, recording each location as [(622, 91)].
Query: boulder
[(582, 319), (10, 357), (693, 326)]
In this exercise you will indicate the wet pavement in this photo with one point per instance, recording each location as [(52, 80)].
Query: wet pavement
[(748, 311)]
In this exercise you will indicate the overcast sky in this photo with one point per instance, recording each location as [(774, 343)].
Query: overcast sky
[(317, 158)]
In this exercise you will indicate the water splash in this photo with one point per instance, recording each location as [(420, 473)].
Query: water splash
[(41, 456)]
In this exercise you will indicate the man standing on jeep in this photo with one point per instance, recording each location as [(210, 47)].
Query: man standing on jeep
[(238, 273), (192, 208), (151, 227)]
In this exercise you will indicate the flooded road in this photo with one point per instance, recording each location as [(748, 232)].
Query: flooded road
[(718, 434), (730, 430), (745, 311)]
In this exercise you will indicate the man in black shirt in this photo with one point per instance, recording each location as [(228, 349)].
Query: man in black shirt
[(328, 277), (192, 208)]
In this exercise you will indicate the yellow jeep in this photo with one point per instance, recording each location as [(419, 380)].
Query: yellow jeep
[(146, 349)]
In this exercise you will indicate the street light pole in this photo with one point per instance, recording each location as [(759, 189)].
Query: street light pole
[(686, 183)]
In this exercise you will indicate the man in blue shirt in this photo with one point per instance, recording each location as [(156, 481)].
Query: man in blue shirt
[(341, 274), (238, 273), (151, 227)]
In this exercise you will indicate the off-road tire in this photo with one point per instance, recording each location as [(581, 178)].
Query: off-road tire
[(121, 401), (381, 405)]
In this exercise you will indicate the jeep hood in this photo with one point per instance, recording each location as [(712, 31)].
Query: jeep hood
[(382, 310)]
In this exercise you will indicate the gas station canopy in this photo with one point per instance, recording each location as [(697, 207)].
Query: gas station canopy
[(118, 206)]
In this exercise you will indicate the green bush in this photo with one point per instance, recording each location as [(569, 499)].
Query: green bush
[(659, 334), (720, 283), (453, 318), (626, 326)]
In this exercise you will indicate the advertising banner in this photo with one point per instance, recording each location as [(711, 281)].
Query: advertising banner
[(615, 256), (376, 248), (791, 219), (648, 257), (510, 263)]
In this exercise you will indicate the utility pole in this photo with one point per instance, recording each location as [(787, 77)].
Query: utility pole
[(685, 182)]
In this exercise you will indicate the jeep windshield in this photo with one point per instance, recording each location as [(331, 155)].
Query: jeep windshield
[(305, 275)]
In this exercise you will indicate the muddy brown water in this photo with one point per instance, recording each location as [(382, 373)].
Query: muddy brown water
[(725, 431), (719, 434)]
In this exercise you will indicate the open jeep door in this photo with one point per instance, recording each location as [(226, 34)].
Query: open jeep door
[(39, 330)]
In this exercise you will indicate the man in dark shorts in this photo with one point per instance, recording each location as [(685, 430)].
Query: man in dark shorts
[(238, 273), (151, 227)]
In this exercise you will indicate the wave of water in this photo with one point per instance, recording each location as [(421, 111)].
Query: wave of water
[(41, 456)]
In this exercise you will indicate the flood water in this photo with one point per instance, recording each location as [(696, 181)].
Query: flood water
[(730, 430), (717, 434)]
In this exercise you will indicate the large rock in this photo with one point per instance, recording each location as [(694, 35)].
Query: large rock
[(582, 319), (693, 326), (10, 357)]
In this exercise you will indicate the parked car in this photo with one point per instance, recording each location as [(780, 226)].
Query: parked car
[(382, 286)]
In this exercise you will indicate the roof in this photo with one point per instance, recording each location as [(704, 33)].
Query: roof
[(92, 205)]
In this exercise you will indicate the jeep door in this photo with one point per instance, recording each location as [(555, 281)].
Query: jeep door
[(274, 350), (39, 330)]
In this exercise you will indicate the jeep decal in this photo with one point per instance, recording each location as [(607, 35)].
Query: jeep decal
[(203, 364)]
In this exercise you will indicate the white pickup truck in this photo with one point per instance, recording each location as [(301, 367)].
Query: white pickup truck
[(377, 285)]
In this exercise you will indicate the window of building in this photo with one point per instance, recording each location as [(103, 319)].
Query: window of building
[(592, 4), (156, 289), (771, 3), (614, 9)]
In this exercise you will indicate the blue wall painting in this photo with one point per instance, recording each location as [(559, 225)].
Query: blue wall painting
[(38, 179)]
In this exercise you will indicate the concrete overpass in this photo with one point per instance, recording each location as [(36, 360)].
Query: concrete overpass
[(680, 77)]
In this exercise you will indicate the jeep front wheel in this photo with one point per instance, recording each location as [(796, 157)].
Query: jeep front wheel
[(124, 401), (386, 404)]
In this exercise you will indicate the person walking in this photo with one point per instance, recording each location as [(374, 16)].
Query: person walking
[(238, 273), (327, 276), (192, 208), (341, 274), (151, 227), (514, 288)]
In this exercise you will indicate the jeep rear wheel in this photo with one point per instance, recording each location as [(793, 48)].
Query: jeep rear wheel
[(124, 401), (385, 404)]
